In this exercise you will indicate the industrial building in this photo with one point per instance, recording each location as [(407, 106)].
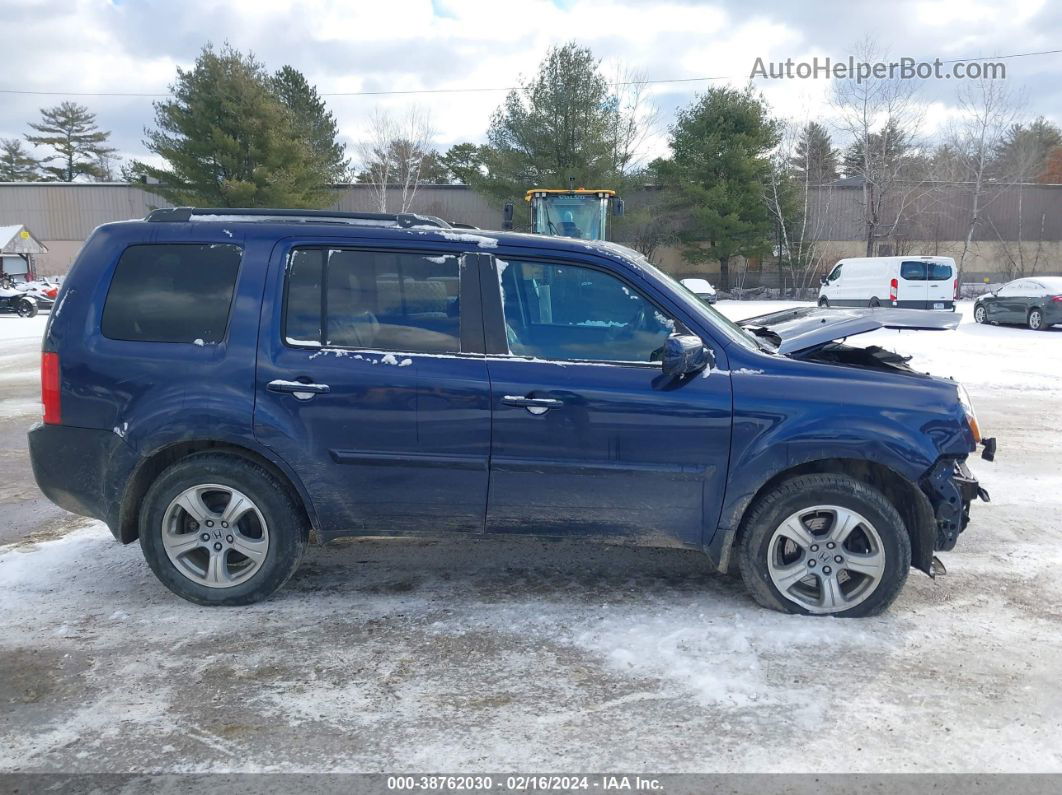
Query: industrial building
[(1020, 232)]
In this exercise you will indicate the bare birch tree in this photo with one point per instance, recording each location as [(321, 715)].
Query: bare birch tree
[(635, 120), (800, 207), (881, 118), (394, 154), (987, 112)]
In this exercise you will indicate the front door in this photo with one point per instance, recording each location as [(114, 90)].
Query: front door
[(372, 386), (588, 436)]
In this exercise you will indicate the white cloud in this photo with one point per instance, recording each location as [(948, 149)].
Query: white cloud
[(132, 46)]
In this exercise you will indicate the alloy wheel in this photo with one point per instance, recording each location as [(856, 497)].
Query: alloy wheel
[(215, 535), (826, 558)]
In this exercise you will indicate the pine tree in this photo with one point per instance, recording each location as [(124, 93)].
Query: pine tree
[(314, 122), (560, 124), (464, 162), (814, 159), (718, 169), (16, 164), (1022, 153), (71, 131), (229, 141), (889, 152)]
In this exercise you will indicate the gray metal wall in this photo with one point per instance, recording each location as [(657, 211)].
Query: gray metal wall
[(63, 215)]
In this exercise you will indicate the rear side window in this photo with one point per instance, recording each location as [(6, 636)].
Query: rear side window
[(913, 271), (939, 272), (177, 292), (391, 301)]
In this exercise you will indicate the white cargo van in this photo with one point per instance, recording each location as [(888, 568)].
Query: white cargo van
[(909, 282)]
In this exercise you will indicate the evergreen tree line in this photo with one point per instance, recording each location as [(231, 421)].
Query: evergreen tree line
[(737, 178)]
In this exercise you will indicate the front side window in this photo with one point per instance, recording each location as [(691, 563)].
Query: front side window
[(374, 300), (836, 274), (569, 312), (172, 292)]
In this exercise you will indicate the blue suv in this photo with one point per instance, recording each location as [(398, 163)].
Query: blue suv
[(221, 384)]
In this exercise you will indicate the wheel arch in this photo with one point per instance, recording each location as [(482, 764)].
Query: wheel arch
[(906, 496), (153, 464)]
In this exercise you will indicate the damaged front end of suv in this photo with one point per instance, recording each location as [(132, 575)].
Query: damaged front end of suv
[(938, 511)]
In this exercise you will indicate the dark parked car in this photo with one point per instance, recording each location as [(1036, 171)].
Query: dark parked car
[(1035, 302), (217, 383)]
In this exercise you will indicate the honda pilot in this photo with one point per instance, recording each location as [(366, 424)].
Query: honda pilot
[(223, 385)]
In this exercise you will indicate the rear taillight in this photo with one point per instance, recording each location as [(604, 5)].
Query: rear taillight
[(893, 286), (50, 388), (1057, 298), (955, 291)]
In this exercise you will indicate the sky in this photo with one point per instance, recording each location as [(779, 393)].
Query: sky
[(136, 46)]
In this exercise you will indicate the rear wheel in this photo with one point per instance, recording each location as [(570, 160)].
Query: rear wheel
[(824, 302), (825, 545), (1036, 320), (26, 308), (980, 315), (874, 303), (220, 530)]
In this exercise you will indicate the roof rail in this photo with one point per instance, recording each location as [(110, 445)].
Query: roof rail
[(404, 220)]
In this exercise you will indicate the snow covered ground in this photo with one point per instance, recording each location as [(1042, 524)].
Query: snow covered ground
[(410, 655)]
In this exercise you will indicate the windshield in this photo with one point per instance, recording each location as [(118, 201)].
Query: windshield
[(717, 320), (569, 216)]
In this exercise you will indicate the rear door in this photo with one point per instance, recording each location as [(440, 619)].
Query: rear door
[(588, 435), (913, 285), (940, 287), (371, 385)]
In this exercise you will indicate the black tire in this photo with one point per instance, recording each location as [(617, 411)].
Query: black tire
[(805, 491), (288, 528), (874, 303), (980, 314), (26, 308), (824, 302), (1035, 320)]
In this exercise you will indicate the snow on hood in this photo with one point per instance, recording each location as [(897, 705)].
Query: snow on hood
[(811, 326)]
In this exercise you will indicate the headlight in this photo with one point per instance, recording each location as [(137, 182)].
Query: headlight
[(971, 415)]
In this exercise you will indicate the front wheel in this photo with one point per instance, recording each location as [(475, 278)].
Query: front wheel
[(824, 544), (824, 302), (1036, 320), (220, 530), (980, 315), (26, 308)]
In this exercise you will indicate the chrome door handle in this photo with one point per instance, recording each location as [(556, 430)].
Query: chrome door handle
[(297, 386), (533, 405)]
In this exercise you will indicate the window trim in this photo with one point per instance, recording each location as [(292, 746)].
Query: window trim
[(201, 243), (494, 312), (324, 248)]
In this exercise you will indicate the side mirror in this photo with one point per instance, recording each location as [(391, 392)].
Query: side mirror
[(507, 216), (823, 280), (617, 207), (685, 354)]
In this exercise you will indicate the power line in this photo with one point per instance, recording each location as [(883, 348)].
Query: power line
[(470, 90)]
